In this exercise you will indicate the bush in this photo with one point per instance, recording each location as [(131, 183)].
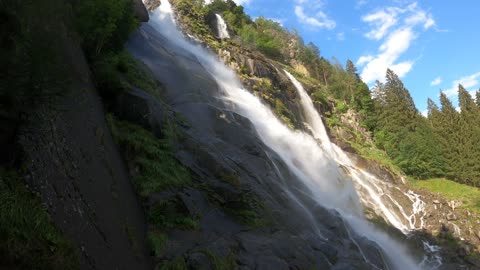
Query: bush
[(104, 24), (119, 71), (158, 167)]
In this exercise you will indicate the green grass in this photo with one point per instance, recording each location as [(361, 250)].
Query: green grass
[(117, 72), (176, 264), (169, 214), (28, 237), (158, 167), (157, 241), (450, 190), (221, 263), (284, 113)]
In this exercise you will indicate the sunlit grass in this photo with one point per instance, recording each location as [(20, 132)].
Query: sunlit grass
[(470, 196)]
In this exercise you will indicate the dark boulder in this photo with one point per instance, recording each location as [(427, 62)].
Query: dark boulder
[(140, 11), (143, 109)]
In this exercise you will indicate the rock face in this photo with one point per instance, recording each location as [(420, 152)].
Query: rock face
[(77, 171), (238, 175), (140, 11), (151, 5)]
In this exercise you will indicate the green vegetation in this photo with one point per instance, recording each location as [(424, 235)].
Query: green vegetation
[(157, 241), (158, 167), (450, 190), (170, 214), (28, 238), (103, 25), (224, 263), (32, 70), (176, 264), (282, 111), (117, 72), (156, 170), (445, 144)]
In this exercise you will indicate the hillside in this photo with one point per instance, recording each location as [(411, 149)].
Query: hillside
[(129, 145)]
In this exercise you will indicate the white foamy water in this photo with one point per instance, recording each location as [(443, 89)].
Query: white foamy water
[(313, 159), (222, 27), (374, 193)]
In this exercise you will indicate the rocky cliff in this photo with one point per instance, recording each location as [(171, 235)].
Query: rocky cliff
[(168, 176)]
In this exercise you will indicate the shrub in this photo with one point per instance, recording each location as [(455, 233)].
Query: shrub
[(104, 24)]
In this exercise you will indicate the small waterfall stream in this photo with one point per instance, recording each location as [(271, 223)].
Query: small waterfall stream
[(333, 180), (374, 193), (222, 27)]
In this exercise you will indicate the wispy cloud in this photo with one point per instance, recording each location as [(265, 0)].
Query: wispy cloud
[(280, 21), (469, 82), (316, 17), (242, 2), (341, 36), (436, 81), (397, 27), (361, 3), (381, 21)]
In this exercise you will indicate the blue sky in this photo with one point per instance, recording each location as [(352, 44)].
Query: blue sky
[(430, 44)]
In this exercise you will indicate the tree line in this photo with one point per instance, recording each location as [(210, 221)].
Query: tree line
[(443, 144)]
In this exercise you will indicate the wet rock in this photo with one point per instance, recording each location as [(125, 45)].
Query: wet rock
[(199, 260), (271, 263), (140, 11), (8, 129), (141, 108), (151, 5)]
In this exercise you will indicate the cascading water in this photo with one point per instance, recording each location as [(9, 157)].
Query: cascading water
[(222, 27), (374, 193), (371, 189), (311, 162)]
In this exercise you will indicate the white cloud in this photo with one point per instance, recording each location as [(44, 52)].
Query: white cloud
[(396, 44), (381, 21), (361, 3), (468, 82), (341, 36), (242, 2), (397, 27), (364, 59), (311, 4), (436, 81), (320, 19)]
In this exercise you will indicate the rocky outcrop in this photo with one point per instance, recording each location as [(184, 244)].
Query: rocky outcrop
[(140, 11), (151, 5), (74, 166), (267, 80), (238, 198)]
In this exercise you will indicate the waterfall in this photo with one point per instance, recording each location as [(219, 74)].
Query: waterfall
[(221, 27), (374, 193), (370, 188), (317, 165)]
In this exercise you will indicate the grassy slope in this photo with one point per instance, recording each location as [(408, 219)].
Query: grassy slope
[(470, 196), (28, 238)]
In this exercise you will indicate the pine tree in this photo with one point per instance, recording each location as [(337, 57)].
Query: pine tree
[(478, 98), (469, 151), (449, 131), (403, 133)]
